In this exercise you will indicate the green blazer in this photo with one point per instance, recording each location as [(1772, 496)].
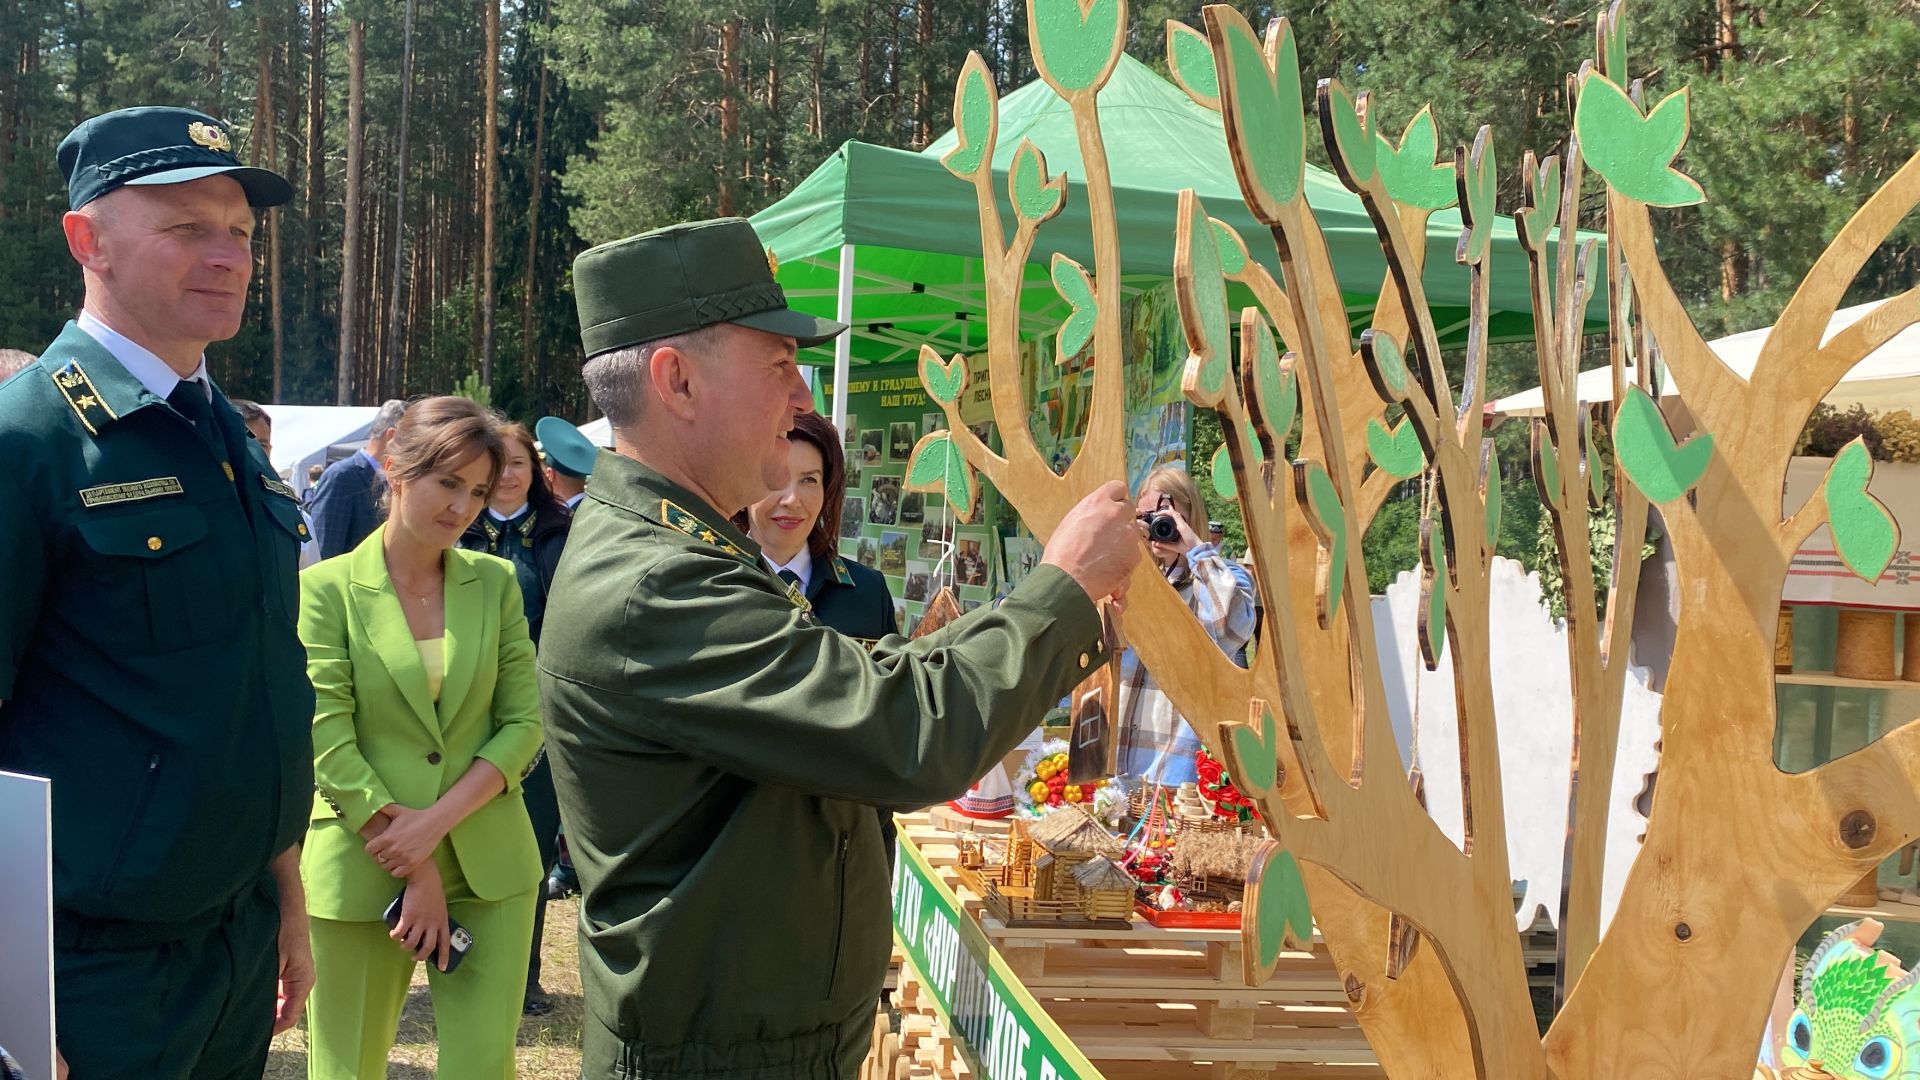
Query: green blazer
[(380, 738)]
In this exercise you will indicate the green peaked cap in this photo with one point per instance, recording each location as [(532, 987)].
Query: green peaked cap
[(682, 278), (565, 448)]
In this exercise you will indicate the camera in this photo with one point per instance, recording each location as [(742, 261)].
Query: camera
[(1161, 528)]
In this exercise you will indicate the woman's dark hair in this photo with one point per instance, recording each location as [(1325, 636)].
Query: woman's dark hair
[(816, 431), (443, 433), (539, 495)]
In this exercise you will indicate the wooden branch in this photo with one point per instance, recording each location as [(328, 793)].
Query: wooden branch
[(1103, 453), (1716, 396)]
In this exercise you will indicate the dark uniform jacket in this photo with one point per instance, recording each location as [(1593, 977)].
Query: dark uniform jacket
[(532, 542), (148, 656), (851, 598), (718, 754)]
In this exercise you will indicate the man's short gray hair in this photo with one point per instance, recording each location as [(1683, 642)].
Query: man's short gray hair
[(12, 360), (617, 379), (389, 416)]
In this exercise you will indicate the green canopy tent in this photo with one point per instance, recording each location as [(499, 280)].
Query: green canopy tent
[(889, 241)]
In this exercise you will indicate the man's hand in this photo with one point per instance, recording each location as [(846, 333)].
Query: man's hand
[(1098, 542), (408, 841), (296, 953)]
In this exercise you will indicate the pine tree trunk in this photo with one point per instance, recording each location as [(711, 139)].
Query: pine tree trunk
[(316, 153), (536, 173), (489, 179), (769, 171), (263, 150), (923, 94), (350, 271), (818, 125), (390, 384), (729, 115)]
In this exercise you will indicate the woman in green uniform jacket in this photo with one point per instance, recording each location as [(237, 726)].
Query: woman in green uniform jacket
[(427, 717)]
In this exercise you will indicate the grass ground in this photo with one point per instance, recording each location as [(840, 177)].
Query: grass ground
[(549, 1045)]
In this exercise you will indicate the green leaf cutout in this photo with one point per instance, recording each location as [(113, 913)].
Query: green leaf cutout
[(1274, 382), (1190, 59), (1386, 365), (1542, 207), (1071, 279), (1479, 181), (1612, 34), (1075, 44), (937, 466), (1260, 101), (1035, 198), (1643, 445), (1397, 452), (1635, 153), (1596, 468), (1353, 138), (1252, 751), (1222, 469), (1233, 250), (1546, 468), (1329, 521), (944, 381), (1201, 292), (1863, 532), (973, 121), (1282, 915), (1490, 492), (1433, 613), (1410, 173)]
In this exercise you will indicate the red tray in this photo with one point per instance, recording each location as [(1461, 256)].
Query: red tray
[(1188, 920)]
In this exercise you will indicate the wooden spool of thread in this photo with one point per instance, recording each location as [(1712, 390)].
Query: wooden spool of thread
[(1863, 648), (1910, 650)]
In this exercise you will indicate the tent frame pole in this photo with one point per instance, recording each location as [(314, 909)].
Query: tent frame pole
[(843, 345)]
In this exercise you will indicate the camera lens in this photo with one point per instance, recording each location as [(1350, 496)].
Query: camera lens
[(1162, 528)]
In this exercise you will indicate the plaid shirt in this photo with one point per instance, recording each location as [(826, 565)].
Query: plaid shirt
[(1156, 744), (346, 507)]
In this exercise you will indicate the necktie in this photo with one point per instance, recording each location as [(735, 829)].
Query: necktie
[(792, 579), (189, 399)]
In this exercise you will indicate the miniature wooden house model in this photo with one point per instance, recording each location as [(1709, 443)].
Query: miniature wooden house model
[(1062, 869)]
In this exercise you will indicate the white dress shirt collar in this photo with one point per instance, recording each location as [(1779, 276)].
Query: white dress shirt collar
[(574, 503), (801, 565), (140, 362)]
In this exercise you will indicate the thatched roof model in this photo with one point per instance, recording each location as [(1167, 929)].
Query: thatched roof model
[(1072, 830), (1101, 873)]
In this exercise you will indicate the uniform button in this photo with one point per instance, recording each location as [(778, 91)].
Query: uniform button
[(1084, 661), (153, 543), (303, 530), (433, 758)]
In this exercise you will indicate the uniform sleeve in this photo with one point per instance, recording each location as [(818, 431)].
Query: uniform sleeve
[(515, 743), (763, 693), (23, 551), (340, 771)]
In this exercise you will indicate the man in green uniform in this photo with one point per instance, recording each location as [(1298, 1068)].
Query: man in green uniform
[(718, 753), (569, 457), (148, 659)]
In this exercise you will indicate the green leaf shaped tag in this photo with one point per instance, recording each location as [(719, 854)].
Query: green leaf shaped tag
[(1635, 153), (1611, 47), (944, 382), (1643, 445), (1386, 365), (1353, 138), (1479, 181), (1260, 101), (1035, 198), (1410, 172), (1233, 250), (1433, 611), (1546, 465), (1277, 913), (1275, 386), (1190, 59), (1251, 751), (1201, 293), (1075, 43), (1398, 452), (976, 119), (1221, 468), (937, 466), (1490, 497), (1596, 467), (1863, 532), (1540, 189), (1076, 288), (1328, 519)]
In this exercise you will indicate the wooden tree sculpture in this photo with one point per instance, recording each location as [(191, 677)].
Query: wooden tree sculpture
[(1739, 857)]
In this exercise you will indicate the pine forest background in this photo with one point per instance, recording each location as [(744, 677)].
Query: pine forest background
[(441, 201)]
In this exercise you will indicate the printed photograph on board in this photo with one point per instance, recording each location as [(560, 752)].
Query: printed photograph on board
[(853, 511), (869, 555), (856, 473), (969, 563), (872, 446), (900, 442), (883, 508), (893, 553), (932, 422), (933, 540), (913, 508), (919, 585), (850, 432)]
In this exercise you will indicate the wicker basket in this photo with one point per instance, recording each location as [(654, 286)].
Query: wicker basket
[(1863, 648), (1910, 650)]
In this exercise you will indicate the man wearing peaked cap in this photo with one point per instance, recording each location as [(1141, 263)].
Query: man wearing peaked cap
[(717, 751), (149, 662), (569, 459)]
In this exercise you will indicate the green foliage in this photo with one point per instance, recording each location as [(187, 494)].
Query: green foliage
[(471, 388)]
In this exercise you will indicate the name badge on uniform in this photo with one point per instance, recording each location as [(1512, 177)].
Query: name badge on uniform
[(109, 494), (277, 487)]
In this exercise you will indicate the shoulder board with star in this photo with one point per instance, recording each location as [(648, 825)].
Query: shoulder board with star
[(83, 396), (677, 518), (840, 571)]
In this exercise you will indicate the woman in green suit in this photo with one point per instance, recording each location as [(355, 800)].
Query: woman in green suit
[(427, 719)]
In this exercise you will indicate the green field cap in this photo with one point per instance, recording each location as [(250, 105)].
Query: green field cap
[(683, 277), (152, 144)]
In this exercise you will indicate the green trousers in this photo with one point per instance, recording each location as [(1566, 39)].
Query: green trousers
[(198, 1006), (362, 977)]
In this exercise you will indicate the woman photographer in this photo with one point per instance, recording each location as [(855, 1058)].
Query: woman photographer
[(1156, 744)]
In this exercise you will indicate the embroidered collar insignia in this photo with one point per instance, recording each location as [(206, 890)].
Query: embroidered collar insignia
[(677, 518)]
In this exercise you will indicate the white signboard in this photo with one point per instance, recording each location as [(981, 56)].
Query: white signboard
[(26, 922)]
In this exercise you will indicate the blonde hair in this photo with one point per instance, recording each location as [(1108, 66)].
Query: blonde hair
[(1173, 482)]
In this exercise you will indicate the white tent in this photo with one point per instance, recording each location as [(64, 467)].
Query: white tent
[(598, 432), (302, 435), (1887, 378)]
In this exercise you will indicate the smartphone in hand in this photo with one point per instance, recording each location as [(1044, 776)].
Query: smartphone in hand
[(458, 939)]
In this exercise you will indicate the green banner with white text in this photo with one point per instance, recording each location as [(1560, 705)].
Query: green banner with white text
[(1001, 1030)]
